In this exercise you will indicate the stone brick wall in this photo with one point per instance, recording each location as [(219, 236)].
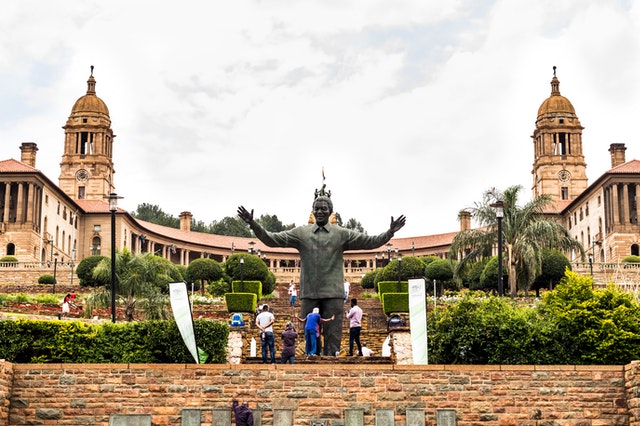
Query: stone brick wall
[(489, 395)]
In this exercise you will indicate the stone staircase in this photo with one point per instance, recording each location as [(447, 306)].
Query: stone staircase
[(373, 334)]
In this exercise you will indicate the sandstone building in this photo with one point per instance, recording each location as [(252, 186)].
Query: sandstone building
[(70, 220)]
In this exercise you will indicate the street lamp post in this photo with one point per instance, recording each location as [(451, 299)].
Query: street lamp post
[(499, 207), (388, 253), (590, 256), (251, 244), (241, 274), (113, 206), (55, 266), (413, 249), (399, 257)]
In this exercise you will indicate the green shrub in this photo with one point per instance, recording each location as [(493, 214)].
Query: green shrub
[(46, 279), (254, 287), (216, 288), (253, 269), (203, 269), (241, 302), (631, 259), (8, 259), (410, 267), (392, 287), (368, 280), (150, 342), (395, 302), (84, 271)]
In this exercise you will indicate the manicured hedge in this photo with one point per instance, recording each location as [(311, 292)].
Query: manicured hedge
[(241, 302), (395, 302), (249, 287), (392, 287), (148, 342)]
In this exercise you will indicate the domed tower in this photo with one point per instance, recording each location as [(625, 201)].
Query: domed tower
[(86, 169), (559, 168)]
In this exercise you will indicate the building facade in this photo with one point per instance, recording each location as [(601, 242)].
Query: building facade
[(41, 220)]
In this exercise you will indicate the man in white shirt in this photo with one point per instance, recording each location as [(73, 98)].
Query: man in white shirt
[(265, 321), (347, 286), (355, 325)]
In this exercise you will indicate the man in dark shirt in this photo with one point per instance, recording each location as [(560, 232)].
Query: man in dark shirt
[(321, 246), (244, 415)]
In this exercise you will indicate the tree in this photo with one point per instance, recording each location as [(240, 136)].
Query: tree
[(142, 283), (85, 268), (232, 226), (439, 270), (201, 270), (489, 274), (272, 224), (355, 225), (554, 266), (253, 269), (525, 232), (154, 214)]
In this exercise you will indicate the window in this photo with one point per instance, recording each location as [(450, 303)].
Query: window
[(95, 246), (81, 193), (565, 192)]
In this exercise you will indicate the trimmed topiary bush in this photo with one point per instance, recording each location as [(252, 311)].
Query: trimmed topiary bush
[(47, 279), (241, 302), (85, 268)]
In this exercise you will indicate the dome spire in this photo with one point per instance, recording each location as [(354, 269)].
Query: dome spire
[(555, 84), (91, 84)]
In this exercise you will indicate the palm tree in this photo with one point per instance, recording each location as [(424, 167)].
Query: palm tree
[(142, 283), (525, 232)]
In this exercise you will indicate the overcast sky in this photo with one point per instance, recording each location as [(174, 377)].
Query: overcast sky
[(411, 107)]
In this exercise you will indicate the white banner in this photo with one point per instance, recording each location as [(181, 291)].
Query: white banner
[(182, 313), (418, 320)]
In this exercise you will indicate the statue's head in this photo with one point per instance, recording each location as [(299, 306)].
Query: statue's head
[(322, 209)]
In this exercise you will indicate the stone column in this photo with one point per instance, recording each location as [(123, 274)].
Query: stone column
[(7, 200), (20, 204), (615, 216), (625, 214), (30, 202)]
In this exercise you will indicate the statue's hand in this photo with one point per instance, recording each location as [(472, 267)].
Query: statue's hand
[(397, 224), (245, 214)]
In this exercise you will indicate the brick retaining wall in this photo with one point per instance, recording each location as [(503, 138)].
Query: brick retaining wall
[(488, 395)]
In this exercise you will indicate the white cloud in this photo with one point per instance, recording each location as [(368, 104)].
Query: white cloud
[(411, 107)]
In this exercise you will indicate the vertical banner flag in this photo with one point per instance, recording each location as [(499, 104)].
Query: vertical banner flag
[(182, 313), (418, 320)]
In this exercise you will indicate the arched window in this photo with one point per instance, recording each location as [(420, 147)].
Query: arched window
[(11, 249), (95, 246), (635, 250)]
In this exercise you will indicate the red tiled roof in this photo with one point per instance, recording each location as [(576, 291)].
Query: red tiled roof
[(95, 206), (15, 166), (632, 166)]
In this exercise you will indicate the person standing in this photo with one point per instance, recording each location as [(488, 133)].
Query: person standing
[(354, 315), (293, 294), (347, 287), (289, 336), (265, 321), (321, 246), (244, 415), (311, 330)]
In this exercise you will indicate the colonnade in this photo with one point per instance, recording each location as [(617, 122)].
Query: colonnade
[(21, 203), (621, 207)]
